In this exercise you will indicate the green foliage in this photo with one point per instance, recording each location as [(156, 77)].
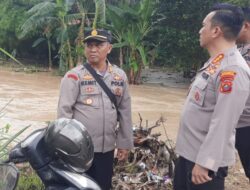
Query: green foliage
[(9, 55), (6, 139), (29, 180), (176, 38), (130, 26), (160, 32), (240, 2), (100, 13)]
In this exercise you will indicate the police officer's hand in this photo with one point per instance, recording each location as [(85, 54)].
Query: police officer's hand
[(200, 175), (122, 154)]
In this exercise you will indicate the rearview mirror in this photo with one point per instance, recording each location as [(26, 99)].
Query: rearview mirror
[(8, 176)]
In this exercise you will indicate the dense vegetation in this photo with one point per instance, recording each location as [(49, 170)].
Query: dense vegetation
[(160, 33)]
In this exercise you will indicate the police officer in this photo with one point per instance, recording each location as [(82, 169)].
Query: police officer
[(83, 99), (217, 97), (243, 129)]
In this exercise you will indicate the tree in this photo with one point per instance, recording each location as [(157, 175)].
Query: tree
[(47, 17), (130, 26)]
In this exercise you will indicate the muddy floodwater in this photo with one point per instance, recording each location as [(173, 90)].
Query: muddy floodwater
[(33, 101)]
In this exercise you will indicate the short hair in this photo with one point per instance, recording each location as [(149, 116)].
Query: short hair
[(246, 12), (229, 17)]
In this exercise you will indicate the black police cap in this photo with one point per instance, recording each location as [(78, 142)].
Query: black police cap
[(98, 35)]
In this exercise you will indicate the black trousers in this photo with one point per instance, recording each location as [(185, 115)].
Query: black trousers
[(183, 174), (243, 147), (102, 169)]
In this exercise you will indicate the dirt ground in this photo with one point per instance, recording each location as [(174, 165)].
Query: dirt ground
[(33, 100)]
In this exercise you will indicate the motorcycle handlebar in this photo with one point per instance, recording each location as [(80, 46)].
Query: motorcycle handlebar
[(16, 155)]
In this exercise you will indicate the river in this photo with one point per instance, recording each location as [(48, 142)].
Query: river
[(34, 100)]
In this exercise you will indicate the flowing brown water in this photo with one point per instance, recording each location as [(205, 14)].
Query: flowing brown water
[(34, 101)]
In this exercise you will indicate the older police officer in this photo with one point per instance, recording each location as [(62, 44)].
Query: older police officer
[(83, 99), (214, 104)]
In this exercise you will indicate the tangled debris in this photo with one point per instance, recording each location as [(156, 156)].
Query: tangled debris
[(150, 164)]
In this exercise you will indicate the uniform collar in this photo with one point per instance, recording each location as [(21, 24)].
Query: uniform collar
[(227, 52)]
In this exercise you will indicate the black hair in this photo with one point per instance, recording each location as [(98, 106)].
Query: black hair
[(229, 17), (246, 12)]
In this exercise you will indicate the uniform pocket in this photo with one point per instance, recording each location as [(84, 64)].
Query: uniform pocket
[(117, 90), (199, 91), (90, 96)]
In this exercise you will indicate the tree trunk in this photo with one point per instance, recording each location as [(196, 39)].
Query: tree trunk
[(49, 52), (121, 58), (138, 75)]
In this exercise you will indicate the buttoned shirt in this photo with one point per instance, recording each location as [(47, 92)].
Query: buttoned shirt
[(212, 109), (83, 99)]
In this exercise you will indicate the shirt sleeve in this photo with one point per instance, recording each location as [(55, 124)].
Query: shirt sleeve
[(231, 95), (69, 91), (125, 132)]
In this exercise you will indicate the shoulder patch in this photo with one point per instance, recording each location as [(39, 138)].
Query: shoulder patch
[(227, 75), (226, 81), (72, 76)]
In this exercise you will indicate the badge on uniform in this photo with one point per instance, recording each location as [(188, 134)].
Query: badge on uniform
[(215, 64), (87, 77), (197, 96), (72, 76), (88, 101), (117, 77), (205, 75), (89, 89), (218, 59), (118, 92), (226, 79)]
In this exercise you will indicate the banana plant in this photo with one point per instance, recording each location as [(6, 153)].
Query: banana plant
[(130, 26), (53, 16), (9, 55)]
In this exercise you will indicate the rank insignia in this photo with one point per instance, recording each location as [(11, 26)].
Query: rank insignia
[(211, 70), (72, 76), (110, 69), (226, 78), (218, 59), (117, 77), (87, 77), (88, 101)]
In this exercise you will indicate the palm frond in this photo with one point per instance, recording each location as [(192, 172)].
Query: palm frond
[(9, 55), (143, 55), (100, 11), (38, 41), (42, 9), (11, 139)]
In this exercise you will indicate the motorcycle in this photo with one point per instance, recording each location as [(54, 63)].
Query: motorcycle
[(53, 169)]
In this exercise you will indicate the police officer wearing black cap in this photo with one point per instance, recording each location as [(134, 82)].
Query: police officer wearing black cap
[(83, 98)]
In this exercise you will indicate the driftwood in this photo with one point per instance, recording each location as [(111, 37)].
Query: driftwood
[(150, 164)]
